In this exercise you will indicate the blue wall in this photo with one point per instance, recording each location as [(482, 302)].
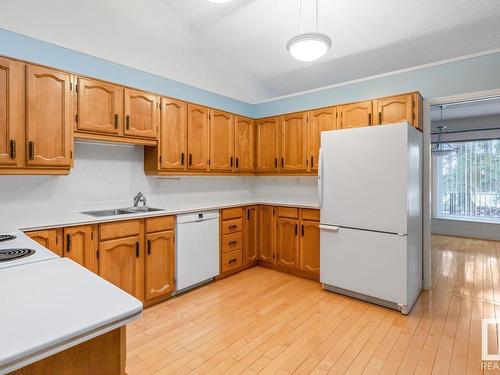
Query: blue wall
[(34, 50), (475, 74)]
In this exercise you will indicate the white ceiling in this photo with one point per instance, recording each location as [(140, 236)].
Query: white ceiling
[(238, 48)]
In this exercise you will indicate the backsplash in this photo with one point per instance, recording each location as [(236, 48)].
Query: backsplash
[(109, 173)]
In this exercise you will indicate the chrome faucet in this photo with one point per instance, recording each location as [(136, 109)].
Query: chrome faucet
[(140, 198)]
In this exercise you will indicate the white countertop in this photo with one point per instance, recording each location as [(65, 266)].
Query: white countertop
[(49, 306), (53, 216)]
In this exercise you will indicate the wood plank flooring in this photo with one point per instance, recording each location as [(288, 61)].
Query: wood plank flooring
[(263, 321)]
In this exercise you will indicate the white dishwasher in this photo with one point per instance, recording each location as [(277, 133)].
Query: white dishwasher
[(197, 250)]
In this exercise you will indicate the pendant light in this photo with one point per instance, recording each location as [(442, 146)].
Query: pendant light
[(308, 46), (442, 148)]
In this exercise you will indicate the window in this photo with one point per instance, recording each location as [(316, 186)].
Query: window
[(468, 182)]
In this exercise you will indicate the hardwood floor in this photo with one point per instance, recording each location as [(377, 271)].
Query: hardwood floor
[(263, 321)]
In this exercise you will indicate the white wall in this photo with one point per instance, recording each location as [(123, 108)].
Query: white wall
[(109, 174)]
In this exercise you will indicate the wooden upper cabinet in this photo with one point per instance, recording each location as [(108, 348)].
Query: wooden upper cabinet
[(309, 247), (221, 141), (395, 109), (48, 117), (251, 234), (198, 137), (48, 238), (318, 121), (244, 145), (294, 142), (355, 115), (266, 233), (287, 242), (160, 264), (100, 107), (9, 112), (121, 262), (79, 245), (141, 114), (267, 144), (172, 141)]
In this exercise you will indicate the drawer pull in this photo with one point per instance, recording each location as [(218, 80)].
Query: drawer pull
[(233, 226), (232, 243), (233, 261)]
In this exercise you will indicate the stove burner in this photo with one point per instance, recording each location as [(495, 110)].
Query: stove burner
[(7, 237), (12, 254)]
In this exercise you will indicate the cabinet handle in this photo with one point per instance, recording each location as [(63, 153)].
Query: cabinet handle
[(232, 243), (68, 242), (12, 149), (190, 159), (127, 122), (380, 118), (233, 226), (369, 118), (31, 150), (248, 213), (116, 120), (302, 230), (231, 161), (312, 161), (275, 162), (149, 247), (137, 249), (296, 229), (282, 162), (182, 158), (237, 162), (232, 261)]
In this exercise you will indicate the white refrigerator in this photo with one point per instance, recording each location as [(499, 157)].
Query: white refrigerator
[(370, 191)]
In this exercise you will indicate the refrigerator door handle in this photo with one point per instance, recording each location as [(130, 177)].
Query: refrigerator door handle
[(320, 177), (330, 228)]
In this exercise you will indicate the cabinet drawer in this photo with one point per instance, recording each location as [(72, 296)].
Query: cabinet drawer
[(290, 212), (310, 214), (159, 224), (231, 261), (118, 229), (232, 213), (231, 242), (231, 226)]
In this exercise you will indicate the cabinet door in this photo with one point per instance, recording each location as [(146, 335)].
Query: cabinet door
[(244, 147), (251, 235), (394, 109), (309, 247), (266, 234), (48, 238), (221, 141), (121, 262), (172, 141), (198, 137), (287, 244), (48, 117), (100, 107), (141, 114), (9, 111), (318, 121), (79, 245), (293, 142), (160, 263), (356, 115), (267, 144)]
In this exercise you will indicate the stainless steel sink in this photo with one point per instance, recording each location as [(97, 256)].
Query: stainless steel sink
[(120, 211)]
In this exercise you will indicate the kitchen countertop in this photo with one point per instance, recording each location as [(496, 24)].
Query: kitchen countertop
[(52, 217), (52, 305)]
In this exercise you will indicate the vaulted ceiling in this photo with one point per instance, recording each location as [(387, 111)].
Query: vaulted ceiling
[(238, 48)]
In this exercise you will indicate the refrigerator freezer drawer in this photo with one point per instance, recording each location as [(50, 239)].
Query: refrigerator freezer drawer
[(367, 263)]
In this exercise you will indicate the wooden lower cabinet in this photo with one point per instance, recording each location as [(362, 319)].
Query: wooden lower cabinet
[(121, 262), (160, 264), (251, 247), (49, 238), (231, 241), (309, 247), (266, 234), (80, 246), (287, 242)]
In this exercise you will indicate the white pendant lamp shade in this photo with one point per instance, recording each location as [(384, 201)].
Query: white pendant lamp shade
[(219, 1), (309, 46)]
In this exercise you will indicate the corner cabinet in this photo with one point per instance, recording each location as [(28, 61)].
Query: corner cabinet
[(266, 234), (198, 137), (244, 144), (251, 234), (267, 131), (49, 134)]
